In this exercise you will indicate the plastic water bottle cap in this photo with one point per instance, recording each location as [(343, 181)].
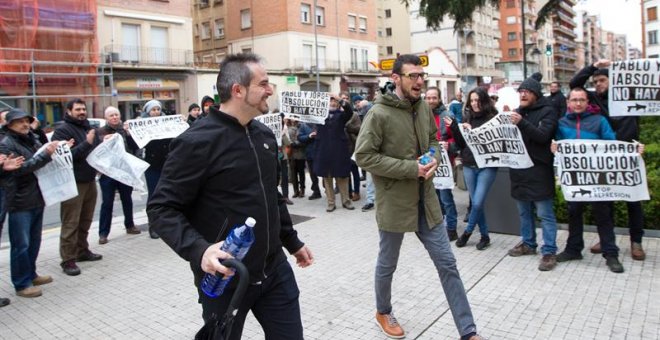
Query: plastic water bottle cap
[(250, 222)]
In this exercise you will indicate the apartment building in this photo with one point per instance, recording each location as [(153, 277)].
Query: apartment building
[(651, 25), (564, 48), (149, 45), (291, 35)]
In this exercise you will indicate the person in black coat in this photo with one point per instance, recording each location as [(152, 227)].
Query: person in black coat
[(558, 99), (627, 130), (234, 177), (332, 160), (534, 188), (25, 204)]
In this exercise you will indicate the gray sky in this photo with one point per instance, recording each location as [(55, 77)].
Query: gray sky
[(619, 16)]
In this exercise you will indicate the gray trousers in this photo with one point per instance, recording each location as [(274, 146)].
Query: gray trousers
[(437, 244)]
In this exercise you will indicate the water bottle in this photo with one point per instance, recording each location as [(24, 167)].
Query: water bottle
[(427, 157), (237, 244)]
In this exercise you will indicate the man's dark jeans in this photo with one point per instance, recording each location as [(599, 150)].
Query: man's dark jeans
[(274, 304), (313, 177), (108, 188), (25, 240), (602, 213), (635, 221)]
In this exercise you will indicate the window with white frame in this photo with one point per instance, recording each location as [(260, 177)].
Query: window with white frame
[(246, 19), (354, 58), (320, 16), (363, 24), (352, 21), (130, 47), (206, 30), (364, 62), (511, 19), (305, 13), (307, 56), (159, 45), (653, 37), (219, 31)]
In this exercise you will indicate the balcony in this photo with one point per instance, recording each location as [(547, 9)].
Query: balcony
[(309, 65), (148, 56), (564, 30)]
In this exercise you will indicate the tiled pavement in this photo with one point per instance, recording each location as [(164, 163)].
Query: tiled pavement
[(142, 290)]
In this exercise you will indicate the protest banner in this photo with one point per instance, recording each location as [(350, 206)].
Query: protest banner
[(305, 106), (497, 143), (634, 88), (274, 122), (111, 159), (444, 176), (56, 179), (598, 170), (144, 130)]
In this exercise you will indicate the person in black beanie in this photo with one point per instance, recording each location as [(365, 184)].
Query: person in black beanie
[(534, 188), (193, 113), (627, 130)]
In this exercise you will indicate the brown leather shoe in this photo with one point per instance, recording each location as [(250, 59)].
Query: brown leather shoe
[(389, 326), (133, 231), (548, 262), (355, 197), (595, 249), (29, 292), (521, 249), (42, 280), (637, 252)]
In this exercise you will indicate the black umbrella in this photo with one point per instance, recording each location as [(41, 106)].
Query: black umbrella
[(219, 328)]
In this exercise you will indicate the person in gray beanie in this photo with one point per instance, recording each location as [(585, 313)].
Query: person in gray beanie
[(533, 189), (152, 108)]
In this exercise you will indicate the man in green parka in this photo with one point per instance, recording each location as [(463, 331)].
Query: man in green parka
[(398, 129)]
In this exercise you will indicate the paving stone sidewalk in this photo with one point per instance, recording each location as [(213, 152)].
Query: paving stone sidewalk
[(142, 290)]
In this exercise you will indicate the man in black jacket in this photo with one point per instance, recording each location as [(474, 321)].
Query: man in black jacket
[(77, 213), (25, 205), (627, 130), (193, 210), (558, 99), (534, 188)]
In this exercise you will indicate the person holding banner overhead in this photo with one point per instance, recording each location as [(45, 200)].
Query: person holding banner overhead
[(155, 153), (109, 186), (479, 109), (585, 121), (396, 132), (77, 213), (627, 129), (533, 188), (25, 204)]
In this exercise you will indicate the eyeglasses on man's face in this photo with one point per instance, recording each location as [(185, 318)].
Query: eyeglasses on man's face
[(415, 75)]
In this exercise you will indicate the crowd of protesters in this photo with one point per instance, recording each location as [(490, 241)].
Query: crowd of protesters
[(353, 134)]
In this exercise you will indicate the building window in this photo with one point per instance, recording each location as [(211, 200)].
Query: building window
[(130, 48), (320, 16), (159, 45), (219, 57), (219, 32), (364, 63), (305, 13), (354, 58), (510, 3), (206, 30), (352, 20), (363, 24), (388, 13), (246, 19), (652, 14), (196, 30), (513, 52), (511, 19), (203, 3), (390, 50), (246, 49), (512, 36), (388, 31), (653, 37)]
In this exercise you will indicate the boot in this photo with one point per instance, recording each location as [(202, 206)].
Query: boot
[(302, 192)]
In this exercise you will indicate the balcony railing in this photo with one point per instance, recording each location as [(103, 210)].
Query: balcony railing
[(309, 64), (148, 56)]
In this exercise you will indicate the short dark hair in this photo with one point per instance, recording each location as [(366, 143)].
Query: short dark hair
[(405, 59), (578, 89), (556, 82), (234, 70), (435, 88), (70, 103)]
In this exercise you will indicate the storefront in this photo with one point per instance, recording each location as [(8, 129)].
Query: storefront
[(132, 94), (360, 85)]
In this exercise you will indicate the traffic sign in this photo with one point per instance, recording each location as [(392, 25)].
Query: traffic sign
[(388, 64)]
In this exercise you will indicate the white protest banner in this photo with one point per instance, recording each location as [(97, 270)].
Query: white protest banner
[(274, 122), (144, 130), (634, 88), (598, 170), (444, 176), (497, 143), (305, 106), (56, 179), (111, 159)]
